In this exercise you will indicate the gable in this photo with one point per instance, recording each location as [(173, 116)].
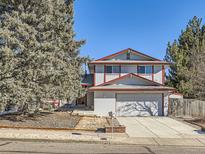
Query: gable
[(133, 57), (132, 80), (128, 55)]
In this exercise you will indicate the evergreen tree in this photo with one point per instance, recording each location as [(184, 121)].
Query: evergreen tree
[(45, 57), (198, 59), (182, 54)]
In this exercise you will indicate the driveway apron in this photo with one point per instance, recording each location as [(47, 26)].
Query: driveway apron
[(134, 128), (157, 127)]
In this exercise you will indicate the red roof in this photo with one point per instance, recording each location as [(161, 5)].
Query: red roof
[(130, 62), (133, 88)]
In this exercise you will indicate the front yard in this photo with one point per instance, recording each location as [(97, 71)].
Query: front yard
[(54, 120), (41, 120)]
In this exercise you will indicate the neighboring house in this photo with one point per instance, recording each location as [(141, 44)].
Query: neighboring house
[(128, 83)]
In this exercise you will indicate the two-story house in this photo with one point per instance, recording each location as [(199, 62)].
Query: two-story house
[(128, 83)]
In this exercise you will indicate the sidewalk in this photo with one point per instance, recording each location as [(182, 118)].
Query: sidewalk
[(72, 136)]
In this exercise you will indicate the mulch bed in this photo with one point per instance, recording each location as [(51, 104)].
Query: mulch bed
[(41, 120)]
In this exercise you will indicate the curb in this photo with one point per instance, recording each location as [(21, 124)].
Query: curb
[(46, 128), (55, 141), (92, 142)]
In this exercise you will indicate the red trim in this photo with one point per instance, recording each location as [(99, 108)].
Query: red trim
[(112, 55), (152, 72), (129, 75), (104, 73), (163, 74), (125, 50), (94, 77), (162, 104), (177, 94), (126, 89), (131, 62), (86, 84)]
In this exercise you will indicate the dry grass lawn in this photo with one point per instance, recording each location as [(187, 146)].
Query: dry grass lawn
[(41, 120)]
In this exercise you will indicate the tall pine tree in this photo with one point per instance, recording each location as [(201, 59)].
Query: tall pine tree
[(182, 53), (198, 60), (39, 37)]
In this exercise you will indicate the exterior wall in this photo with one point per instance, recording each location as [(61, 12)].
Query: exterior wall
[(147, 76), (111, 76), (99, 74), (166, 103), (158, 73), (126, 69), (132, 81), (104, 102)]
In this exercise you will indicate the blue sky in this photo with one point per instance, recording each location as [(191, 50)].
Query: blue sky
[(109, 26)]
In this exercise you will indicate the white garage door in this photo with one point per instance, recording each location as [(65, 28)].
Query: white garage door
[(139, 104)]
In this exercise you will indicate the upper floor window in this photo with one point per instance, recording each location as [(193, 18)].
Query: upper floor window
[(116, 69), (108, 69), (112, 69), (144, 69), (148, 69), (141, 69)]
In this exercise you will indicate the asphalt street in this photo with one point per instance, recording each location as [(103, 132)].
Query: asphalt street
[(40, 147)]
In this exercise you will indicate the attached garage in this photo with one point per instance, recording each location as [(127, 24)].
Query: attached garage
[(131, 95), (130, 104), (139, 104)]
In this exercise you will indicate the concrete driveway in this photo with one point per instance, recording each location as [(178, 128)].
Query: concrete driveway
[(158, 127)]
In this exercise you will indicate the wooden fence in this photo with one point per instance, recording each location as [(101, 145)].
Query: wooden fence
[(187, 107)]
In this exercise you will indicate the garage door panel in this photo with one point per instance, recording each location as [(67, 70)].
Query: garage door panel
[(138, 104)]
